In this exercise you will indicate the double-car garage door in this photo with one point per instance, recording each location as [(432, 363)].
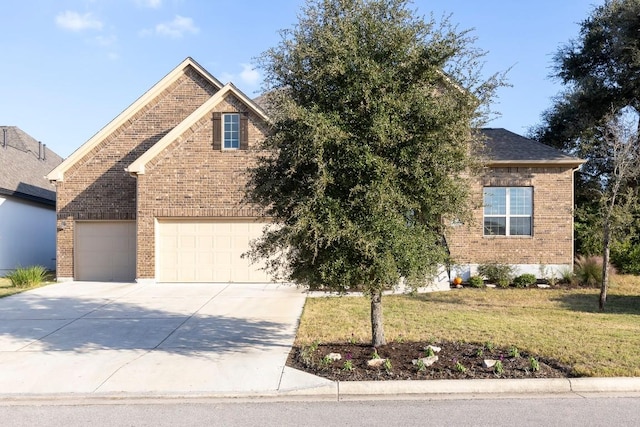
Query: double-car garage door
[(207, 251), (186, 251)]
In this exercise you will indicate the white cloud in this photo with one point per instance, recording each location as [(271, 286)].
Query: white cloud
[(225, 77), (106, 41), (249, 75), (247, 80), (73, 21), (153, 4), (177, 28)]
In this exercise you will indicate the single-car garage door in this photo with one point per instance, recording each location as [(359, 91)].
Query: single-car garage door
[(105, 251), (207, 251)]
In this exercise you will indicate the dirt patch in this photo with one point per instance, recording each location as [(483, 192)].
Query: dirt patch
[(455, 361)]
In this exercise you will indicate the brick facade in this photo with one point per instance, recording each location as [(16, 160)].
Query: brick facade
[(97, 187), (191, 179), (552, 240), (180, 174)]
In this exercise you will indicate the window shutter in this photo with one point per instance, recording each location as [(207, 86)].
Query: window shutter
[(244, 131), (217, 131)]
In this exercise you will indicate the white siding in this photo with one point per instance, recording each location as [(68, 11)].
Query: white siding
[(27, 235)]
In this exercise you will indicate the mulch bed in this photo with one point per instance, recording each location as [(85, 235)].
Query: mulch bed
[(455, 361)]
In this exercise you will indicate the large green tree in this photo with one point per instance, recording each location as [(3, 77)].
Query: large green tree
[(600, 71), (373, 109)]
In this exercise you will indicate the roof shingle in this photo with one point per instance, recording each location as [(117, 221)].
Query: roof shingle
[(507, 147), (24, 165)]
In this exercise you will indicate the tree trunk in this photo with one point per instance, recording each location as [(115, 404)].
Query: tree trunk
[(377, 327), (605, 265)]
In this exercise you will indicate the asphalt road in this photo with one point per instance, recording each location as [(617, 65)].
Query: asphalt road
[(565, 410)]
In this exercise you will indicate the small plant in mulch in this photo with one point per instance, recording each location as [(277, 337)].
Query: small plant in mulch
[(455, 360), (348, 363)]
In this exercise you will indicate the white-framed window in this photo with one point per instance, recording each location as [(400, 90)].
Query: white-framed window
[(508, 211), (231, 131)]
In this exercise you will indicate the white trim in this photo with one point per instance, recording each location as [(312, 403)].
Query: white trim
[(138, 167), (57, 174), (507, 215)]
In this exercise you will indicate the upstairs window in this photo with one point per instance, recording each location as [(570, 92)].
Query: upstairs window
[(231, 130), (508, 211)]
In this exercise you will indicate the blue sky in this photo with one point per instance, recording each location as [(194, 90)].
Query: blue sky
[(69, 67)]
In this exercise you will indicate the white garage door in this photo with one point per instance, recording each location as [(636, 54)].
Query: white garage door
[(105, 251), (207, 251)]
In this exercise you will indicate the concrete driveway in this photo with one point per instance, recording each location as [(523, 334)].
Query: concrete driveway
[(111, 338)]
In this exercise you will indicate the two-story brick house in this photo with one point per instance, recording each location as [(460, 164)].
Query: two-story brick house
[(156, 195)]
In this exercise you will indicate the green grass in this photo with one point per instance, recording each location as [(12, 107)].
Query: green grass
[(7, 287), (560, 324)]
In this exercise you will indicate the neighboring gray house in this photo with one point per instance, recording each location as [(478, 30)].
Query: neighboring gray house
[(27, 202)]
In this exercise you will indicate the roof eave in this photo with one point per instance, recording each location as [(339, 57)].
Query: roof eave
[(57, 174), (138, 166), (535, 163)]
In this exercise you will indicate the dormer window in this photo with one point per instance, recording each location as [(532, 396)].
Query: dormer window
[(230, 131), (231, 137)]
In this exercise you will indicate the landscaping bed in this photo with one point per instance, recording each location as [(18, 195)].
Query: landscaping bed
[(455, 360)]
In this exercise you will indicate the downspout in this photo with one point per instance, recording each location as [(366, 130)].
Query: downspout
[(573, 214), (4, 140)]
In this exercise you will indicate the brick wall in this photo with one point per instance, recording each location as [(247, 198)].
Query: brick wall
[(552, 240), (97, 187), (190, 179)]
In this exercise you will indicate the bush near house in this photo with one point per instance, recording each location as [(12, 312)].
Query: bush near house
[(476, 282), (500, 274), (24, 277), (588, 270), (524, 280)]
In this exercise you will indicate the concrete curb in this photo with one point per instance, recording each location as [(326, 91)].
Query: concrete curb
[(466, 387), (333, 390)]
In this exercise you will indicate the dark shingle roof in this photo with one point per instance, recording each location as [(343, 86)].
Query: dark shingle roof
[(503, 146), (23, 166)]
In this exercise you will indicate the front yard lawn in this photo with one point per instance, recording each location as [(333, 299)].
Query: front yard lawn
[(6, 288), (555, 324)]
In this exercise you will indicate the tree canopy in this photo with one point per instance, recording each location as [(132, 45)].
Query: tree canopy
[(600, 70), (373, 110)]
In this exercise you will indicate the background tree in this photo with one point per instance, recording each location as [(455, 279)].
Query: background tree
[(370, 139), (601, 73), (620, 143)]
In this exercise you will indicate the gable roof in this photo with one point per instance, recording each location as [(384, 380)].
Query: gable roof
[(138, 166), (24, 163), (504, 148), (58, 173)]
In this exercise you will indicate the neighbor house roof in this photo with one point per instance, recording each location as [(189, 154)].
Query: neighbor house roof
[(503, 147), (58, 173), (24, 164)]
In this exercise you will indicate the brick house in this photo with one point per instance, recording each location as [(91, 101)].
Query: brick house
[(156, 195), (526, 213)]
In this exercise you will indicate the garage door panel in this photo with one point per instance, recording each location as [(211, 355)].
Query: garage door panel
[(105, 251), (214, 256)]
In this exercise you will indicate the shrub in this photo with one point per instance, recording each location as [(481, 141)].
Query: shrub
[(500, 274), (626, 258), (567, 276), (27, 277), (588, 270), (476, 281), (524, 280)]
